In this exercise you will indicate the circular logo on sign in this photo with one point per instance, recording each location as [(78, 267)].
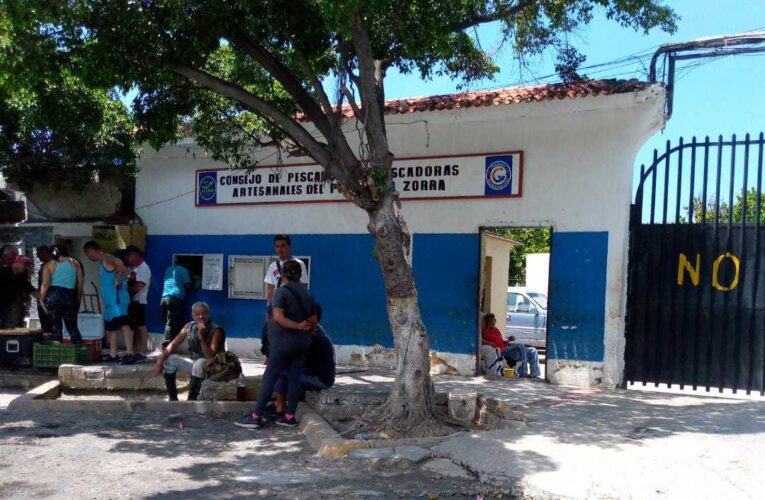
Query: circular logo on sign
[(207, 188), (498, 175)]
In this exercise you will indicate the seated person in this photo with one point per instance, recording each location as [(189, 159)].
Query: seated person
[(204, 339), (519, 352), (318, 369)]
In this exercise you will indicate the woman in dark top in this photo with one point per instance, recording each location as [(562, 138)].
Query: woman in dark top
[(289, 335)]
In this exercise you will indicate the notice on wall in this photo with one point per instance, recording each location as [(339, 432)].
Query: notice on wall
[(212, 271), (488, 175)]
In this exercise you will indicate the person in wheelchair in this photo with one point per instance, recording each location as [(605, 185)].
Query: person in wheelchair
[(527, 357)]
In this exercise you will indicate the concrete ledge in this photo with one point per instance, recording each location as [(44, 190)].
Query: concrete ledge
[(329, 444), (45, 392), (24, 379), (114, 377), (22, 403)]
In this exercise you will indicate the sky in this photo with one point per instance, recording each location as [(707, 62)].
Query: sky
[(722, 96)]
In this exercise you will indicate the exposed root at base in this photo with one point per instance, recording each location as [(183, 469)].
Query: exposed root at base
[(386, 423)]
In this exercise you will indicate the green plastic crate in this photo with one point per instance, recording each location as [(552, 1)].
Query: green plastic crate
[(53, 354)]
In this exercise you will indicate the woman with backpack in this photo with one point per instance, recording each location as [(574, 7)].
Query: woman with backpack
[(289, 334)]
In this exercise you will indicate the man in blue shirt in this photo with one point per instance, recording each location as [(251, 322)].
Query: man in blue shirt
[(177, 281)]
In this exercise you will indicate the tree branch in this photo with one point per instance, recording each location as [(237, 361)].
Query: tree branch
[(316, 85), (284, 75), (371, 93), (324, 123), (497, 15), (352, 102), (335, 167), (297, 132)]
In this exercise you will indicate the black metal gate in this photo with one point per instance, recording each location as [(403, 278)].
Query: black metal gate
[(696, 292)]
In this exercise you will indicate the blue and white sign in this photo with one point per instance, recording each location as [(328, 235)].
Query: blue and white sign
[(499, 175), (207, 188), (430, 178)]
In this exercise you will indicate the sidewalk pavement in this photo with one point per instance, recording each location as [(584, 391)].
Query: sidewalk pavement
[(594, 443), (624, 444)]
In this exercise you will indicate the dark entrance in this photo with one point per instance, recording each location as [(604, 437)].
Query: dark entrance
[(696, 293)]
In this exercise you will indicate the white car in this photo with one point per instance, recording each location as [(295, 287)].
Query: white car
[(526, 316)]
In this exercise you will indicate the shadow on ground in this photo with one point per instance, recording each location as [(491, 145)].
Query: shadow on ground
[(144, 455)]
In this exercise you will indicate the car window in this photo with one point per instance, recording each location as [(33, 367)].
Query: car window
[(517, 303), (539, 298)]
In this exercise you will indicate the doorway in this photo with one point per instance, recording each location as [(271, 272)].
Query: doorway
[(514, 285)]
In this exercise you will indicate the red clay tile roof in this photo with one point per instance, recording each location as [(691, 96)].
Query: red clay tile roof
[(510, 95)]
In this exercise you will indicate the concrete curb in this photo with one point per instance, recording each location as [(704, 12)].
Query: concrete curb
[(45, 392), (21, 380), (329, 444)]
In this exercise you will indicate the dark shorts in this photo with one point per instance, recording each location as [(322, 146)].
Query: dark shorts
[(137, 314), (116, 323)]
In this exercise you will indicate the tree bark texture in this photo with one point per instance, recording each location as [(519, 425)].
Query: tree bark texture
[(408, 412)]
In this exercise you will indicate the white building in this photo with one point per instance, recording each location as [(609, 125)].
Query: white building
[(557, 156)]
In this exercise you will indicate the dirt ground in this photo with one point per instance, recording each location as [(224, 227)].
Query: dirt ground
[(143, 455)]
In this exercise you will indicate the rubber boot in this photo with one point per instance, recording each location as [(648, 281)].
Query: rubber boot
[(172, 388), (195, 384)]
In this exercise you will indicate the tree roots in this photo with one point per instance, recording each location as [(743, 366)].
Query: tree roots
[(388, 423)]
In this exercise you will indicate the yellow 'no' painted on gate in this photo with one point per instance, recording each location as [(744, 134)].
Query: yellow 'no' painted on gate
[(694, 271)]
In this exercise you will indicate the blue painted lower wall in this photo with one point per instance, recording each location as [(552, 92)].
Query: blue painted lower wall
[(577, 306), (346, 281)]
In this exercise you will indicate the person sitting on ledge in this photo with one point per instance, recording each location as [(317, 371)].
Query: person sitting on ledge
[(204, 339), (318, 369), (511, 351)]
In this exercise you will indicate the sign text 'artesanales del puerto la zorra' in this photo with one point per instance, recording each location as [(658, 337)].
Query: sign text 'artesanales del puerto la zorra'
[(484, 175)]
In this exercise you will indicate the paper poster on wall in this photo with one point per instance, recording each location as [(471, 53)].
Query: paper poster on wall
[(212, 271), (477, 176)]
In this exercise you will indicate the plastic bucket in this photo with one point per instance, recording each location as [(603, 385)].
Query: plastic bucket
[(462, 404)]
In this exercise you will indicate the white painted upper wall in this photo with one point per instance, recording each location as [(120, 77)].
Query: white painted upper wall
[(577, 173)]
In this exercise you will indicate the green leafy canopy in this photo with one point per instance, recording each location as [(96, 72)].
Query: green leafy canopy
[(190, 62), (53, 127)]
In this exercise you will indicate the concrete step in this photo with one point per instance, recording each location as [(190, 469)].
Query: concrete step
[(136, 377)]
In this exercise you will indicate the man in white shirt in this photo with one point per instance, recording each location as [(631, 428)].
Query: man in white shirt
[(138, 286), (283, 247)]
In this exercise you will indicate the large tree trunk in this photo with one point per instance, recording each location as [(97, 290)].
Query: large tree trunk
[(409, 411)]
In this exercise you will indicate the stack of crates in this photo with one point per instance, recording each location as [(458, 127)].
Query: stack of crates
[(53, 354)]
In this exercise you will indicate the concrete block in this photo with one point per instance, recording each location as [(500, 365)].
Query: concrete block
[(445, 467), (338, 448), (114, 377), (372, 454), (414, 454), (226, 391)]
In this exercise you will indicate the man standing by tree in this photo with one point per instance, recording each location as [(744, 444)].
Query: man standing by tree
[(273, 280)]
